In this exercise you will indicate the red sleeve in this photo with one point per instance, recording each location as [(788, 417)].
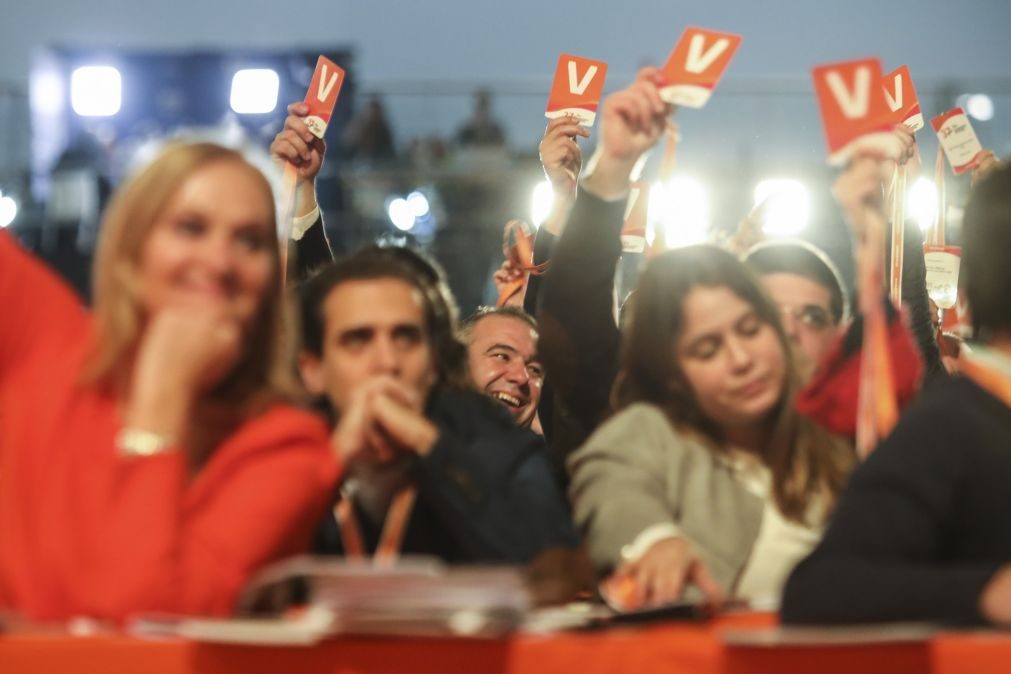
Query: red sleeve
[(190, 549), (36, 306)]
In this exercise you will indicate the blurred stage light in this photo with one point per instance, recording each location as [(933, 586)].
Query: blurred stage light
[(541, 201), (96, 91), (788, 206), (419, 204), (680, 209), (254, 91), (400, 214), (8, 211), (46, 93), (979, 106), (921, 203)]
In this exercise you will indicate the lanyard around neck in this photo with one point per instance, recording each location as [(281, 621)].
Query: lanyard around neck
[(392, 535)]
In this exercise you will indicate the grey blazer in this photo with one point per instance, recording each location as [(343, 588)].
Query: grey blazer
[(637, 470)]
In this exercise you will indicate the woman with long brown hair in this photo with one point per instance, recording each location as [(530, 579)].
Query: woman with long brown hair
[(705, 476), (150, 458)]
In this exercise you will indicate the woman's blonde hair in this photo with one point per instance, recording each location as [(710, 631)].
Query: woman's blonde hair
[(263, 373), (809, 466)]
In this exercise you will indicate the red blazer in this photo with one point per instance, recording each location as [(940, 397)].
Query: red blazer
[(84, 531)]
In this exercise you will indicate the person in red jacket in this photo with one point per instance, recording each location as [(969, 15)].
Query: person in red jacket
[(150, 457)]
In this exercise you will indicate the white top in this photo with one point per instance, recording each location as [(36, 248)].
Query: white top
[(780, 544)]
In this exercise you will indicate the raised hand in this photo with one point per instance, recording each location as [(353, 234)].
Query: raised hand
[(297, 146), (560, 154), (633, 120)]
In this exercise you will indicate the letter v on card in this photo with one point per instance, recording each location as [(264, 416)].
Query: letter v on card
[(321, 97), (901, 98), (854, 112), (578, 86), (696, 65)]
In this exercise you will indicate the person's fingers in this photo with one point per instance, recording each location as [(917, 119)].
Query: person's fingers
[(644, 108), (668, 584), (300, 145), (298, 108), (703, 578), (566, 132), (296, 125), (556, 122), (398, 391), (380, 444), (643, 578), (651, 74), (623, 107), (652, 93), (283, 148)]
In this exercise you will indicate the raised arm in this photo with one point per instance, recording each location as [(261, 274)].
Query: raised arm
[(297, 147), (579, 334)]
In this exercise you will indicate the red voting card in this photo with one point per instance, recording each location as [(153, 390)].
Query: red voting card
[(959, 141), (696, 65), (322, 95), (577, 88), (901, 98), (854, 112)]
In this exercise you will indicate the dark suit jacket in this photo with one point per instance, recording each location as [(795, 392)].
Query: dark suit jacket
[(486, 493)]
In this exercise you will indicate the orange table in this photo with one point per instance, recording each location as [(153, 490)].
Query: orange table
[(676, 648), (971, 653), (687, 648), (908, 658)]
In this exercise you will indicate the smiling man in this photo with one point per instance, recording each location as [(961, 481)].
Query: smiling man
[(379, 343), (504, 362)]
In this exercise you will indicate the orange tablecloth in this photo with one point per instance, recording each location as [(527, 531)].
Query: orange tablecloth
[(908, 658), (674, 648), (970, 653), (687, 648)]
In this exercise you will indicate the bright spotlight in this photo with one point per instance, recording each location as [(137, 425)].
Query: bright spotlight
[(254, 91), (980, 106), (419, 204), (400, 214), (96, 91), (541, 202), (680, 209), (921, 203), (8, 211), (787, 206), (45, 93)]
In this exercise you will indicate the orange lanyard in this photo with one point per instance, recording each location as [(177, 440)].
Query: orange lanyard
[(393, 529), (518, 248)]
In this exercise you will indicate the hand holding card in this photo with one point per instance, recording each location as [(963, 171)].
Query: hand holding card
[(901, 98), (854, 112)]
